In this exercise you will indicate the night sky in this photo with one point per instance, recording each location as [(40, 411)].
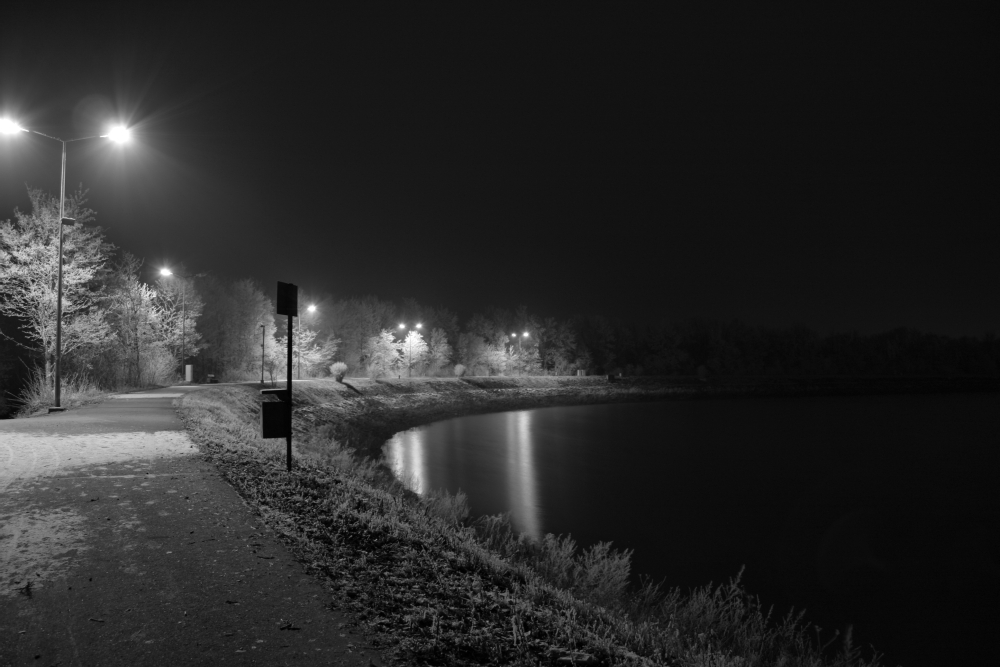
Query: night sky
[(832, 168)]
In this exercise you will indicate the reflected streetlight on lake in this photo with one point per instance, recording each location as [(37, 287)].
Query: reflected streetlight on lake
[(119, 134)]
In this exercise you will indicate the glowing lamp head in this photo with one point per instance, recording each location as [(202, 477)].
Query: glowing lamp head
[(525, 334), (419, 326), (166, 272), (120, 134), (311, 308), (402, 326), (7, 126)]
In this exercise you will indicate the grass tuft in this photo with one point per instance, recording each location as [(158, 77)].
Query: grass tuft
[(39, 394)]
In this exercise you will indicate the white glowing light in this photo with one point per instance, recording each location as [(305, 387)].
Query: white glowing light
[(7, 126), (525, 334), (120, 133), (311, 308), (402, 326), (166, 272), (419, 326)]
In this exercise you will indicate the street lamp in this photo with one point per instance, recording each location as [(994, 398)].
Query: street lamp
[(519, 349), (167, 273), (119, 134), (311, 308), (262, 355), (409, 351)]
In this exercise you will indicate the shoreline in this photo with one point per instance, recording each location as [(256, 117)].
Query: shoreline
[(364, 413), (428, 585)]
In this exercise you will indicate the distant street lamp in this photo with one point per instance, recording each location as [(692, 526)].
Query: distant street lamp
[(168, 273), (515, 337), (119, 134), (311, 308), (409, 351)]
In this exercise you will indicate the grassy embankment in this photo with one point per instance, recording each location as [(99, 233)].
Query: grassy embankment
[(431, 587)]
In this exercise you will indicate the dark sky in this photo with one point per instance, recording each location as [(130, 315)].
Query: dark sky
[(831, 168)]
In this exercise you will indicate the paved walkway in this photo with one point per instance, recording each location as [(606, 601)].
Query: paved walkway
[(119, 545)]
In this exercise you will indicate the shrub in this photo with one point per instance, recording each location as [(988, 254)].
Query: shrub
[(39, 392), (338, 370), (459, 370)]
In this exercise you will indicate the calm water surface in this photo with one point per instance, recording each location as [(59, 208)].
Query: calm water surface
[(881, 512)]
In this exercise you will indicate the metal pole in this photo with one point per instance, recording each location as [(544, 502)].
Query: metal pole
[(59, 290), (288, 438), (262, 355), (183, 335)]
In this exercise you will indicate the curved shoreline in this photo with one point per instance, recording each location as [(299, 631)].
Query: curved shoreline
[(427, 586), (365, 413)]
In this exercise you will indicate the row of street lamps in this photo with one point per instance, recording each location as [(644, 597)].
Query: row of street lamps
[(119, 134)]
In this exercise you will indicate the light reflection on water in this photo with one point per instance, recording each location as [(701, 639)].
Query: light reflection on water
[(870, 511), (424, 466)]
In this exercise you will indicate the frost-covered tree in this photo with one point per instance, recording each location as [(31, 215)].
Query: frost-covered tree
[(231, 325), (29, 263), (382, 354), (182, 306), (438, 351), (138, 351), (414, 352)]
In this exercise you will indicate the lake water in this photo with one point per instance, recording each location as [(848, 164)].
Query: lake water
[(880, 512)]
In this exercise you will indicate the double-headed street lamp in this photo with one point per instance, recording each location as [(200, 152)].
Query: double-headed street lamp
[(515, 337), (118, 134), (409, 360)]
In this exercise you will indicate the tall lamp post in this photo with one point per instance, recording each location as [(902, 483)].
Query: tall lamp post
[(519, 349), (119, 134), (312, 310), (167, 273), (409, 351), (262, 355)]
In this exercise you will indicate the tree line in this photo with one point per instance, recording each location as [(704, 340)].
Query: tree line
[(125, 326)]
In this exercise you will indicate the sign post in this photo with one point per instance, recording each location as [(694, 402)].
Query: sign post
[(276, 418)]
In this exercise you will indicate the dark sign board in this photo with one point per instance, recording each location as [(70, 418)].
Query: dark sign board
[(288, 299), (274, 420)]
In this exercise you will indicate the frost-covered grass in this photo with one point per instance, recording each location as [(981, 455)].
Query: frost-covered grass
[(431, 587), (38, 394)]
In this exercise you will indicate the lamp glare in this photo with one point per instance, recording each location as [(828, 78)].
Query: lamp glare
[(119, 133), (7, 126)]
